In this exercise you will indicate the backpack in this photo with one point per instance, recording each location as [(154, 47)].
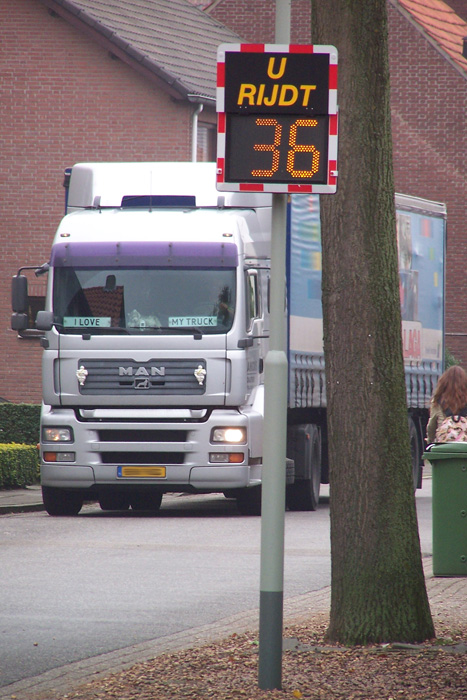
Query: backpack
[(452, 429)]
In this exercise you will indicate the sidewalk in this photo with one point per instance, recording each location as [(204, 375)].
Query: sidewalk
[(21, 500)]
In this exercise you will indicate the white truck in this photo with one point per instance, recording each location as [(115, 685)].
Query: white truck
[(156, 329)]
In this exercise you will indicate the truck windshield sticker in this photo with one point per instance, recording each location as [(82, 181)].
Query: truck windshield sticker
[(86, 322), (189, 321)]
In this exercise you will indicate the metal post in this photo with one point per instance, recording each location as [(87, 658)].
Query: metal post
[(275, 434), (282, 26), (273, 478)]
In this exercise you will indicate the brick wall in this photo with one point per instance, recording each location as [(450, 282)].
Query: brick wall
[(63, 100), (459, 6), (429, 104)]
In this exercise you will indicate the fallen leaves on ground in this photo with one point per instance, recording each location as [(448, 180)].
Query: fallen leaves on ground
[(311, 670)]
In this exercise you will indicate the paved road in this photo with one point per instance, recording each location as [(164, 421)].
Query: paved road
[(73, 588)]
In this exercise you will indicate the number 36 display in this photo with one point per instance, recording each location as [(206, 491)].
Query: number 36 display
[(277, 118)]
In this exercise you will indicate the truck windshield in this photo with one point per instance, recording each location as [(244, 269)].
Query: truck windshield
[(144, 300)]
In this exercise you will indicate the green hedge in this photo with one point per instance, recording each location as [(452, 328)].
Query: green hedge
[(19, 423), (19, 435), (19, 466)]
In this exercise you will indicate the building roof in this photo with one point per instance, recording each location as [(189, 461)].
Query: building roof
[(171, 41), (174, 43), (441, 25)]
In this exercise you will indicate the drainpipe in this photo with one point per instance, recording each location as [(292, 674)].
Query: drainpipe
[(194, 137)]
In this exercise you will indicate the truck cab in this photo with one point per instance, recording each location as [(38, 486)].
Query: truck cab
[(155, 331)]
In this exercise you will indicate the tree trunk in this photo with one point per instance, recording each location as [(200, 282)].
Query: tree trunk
[(378, 588)]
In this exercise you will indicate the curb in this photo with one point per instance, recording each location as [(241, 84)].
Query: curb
[(21, 508)]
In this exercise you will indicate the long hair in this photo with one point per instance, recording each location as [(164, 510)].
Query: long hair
[(451, 390)]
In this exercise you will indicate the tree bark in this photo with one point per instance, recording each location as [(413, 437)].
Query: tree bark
[(378, 589)]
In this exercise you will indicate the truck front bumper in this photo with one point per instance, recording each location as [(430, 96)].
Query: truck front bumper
[(110, 452)]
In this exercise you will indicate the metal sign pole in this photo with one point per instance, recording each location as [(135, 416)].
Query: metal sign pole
[(274, 453), (273, 477)]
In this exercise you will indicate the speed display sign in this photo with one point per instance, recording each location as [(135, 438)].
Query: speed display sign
[(277, 118)]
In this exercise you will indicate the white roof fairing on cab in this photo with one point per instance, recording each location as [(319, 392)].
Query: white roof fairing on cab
[(249, 232)]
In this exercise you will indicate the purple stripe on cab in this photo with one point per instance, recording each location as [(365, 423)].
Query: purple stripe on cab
[(144, 254)]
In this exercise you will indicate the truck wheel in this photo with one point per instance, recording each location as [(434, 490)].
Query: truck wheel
[(249, 501), (61, 501), (114, 501), (304, 493), (146, 500)]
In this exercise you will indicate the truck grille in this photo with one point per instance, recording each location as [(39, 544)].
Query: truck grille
[(156, 377), (140, 446)]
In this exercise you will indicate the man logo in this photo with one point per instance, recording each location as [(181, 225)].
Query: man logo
[(141, 371), (142, 384)]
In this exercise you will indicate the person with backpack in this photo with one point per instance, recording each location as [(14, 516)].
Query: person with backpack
[(448, 408)]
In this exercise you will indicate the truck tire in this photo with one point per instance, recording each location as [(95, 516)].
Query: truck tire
[(303, 494), (416, 454), (249, 501), (146, 500), (61, 501)]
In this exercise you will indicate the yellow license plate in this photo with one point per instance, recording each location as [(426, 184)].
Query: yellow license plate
[(142, 472)]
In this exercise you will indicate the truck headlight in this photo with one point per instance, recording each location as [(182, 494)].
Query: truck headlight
[(229, 436), (57, 435)]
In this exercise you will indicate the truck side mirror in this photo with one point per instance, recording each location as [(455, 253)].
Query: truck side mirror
[(19, 322), (19, 294), (44, 320), (19, 302)]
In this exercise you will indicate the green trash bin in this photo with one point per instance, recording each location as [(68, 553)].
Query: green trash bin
[(449, 507)]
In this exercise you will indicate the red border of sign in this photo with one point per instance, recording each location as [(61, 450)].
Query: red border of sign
[(331, 186)]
